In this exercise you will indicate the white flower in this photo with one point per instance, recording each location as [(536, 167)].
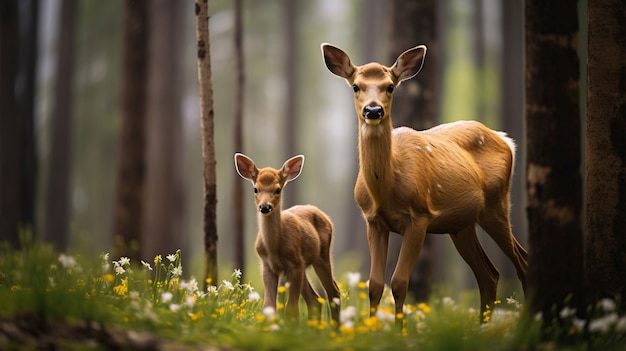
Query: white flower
[(124, 261), (538, 317), (269, 312), (228, 285), (178, 271), (191, 286), (254, 296), (579, 324), (146, 264), (212, 289), (385, 316), (607, 305), (274, 327), (166, 297), (348, 314), (353, 279), (105, 257), (119, 270), (174, 307), (67, 261), (567, 312), (237, 273), (189, 301), (171, 257), (603, 324), (447, 301)]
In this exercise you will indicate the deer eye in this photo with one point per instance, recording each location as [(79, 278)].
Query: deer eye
[(390, 88), (355, 88), (277, 191), (256, 190)]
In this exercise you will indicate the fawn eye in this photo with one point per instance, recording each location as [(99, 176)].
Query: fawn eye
[(355, 88), (256, 190), (390, 88), (277, 191)]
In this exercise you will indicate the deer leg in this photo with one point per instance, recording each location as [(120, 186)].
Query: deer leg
[(295, 279), (499, 229), (413, 239), (311, 297), (270, 282), (467, 244), (378, 239), (324, 271)]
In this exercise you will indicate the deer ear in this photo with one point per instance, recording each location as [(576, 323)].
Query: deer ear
[(245, 167), (337, 61), (292, 168), (409, 63)]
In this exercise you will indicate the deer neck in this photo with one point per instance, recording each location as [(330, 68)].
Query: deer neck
[(270, 229), (376, 159)]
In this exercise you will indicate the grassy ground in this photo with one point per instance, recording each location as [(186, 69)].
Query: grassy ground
[(59, 301)]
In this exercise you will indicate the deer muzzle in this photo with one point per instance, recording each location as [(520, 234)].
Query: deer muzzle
[(265, 209), (373, 114)]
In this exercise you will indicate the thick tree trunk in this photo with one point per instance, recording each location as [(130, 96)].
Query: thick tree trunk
[(606, 150), (163, 230), (131, 158), (416, 105), (208, 141), (555, 272), (56, 229)]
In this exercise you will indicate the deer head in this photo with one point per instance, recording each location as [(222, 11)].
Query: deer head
[(373, 83), (268, 182)]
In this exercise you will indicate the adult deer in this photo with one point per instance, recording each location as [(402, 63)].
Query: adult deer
[(291, 240), (442, 180)]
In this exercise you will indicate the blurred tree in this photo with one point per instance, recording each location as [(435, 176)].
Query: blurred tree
[(9, 123), (292, 91), (56, 217), (238, 212), (606, 150), (29, 19), (416, 105), (163, 199), (131, 162), (208, 140), (553, 162)]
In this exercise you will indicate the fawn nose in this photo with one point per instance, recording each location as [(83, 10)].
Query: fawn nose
[(373, 112), (265, 208)]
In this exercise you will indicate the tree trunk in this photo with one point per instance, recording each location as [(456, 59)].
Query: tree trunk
[(553, 165), (606, 150), (131, 158), (292, 92), (163, 230), (9, 124), (208, 141), (416, 105), (238, 207), (57, 210)]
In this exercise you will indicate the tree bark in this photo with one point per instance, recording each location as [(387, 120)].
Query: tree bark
[(416, 105), (163, 229), (208, 141), (553, 165), (238, 212), (606, 150), (56, 228), (131, 157)]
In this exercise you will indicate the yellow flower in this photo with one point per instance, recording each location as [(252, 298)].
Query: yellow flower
[(362, 296), (195, 316), (109, 278), (157, 259), (208, 280), (121, 289), (260, 317), (321, 300), (424, 307), (362, 285), (282, 289), (280, 306)]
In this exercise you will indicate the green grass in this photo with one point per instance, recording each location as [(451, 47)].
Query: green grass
[(152, 298)]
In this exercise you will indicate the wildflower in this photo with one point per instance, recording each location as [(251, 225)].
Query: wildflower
[(191, 286), (146, 264), (237, 273), (177, 271), (109, 278), (174, 307), (121, 289), (447, 301), (607, 305), (228, 285), (603, 324), (189, 301), (362, 285), (282, 289), (254, 296), (171, 257), (567, 312), (67, 261), (119, 270), (321, 300), (166, 297), (157, 259), (353, 279), (212, 290), (362, 296), (424, 307), (274, 327), (124, 261), (579, 324), (269, 312), (348, 314)]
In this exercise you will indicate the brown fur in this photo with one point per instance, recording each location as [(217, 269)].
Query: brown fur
[(289, 241), (445, 179)]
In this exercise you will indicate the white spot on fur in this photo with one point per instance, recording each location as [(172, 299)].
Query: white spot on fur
[(428, 148)]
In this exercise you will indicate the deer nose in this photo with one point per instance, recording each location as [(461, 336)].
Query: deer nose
[(265, 208), (373, 112)]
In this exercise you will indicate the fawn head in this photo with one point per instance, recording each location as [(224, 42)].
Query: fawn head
[(268, 182), (373, 83)]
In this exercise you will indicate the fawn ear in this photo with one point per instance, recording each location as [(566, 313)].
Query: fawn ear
[(245, 167), (337, 61), (409, 63), (292, 168)]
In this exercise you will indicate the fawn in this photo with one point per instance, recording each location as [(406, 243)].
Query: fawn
[(442, 180), (290, 240)]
